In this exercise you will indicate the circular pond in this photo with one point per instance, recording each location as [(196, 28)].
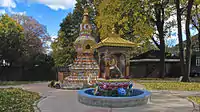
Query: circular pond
[(137, 97)]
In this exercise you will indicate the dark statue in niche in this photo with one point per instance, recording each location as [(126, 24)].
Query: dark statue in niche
[(115, 72), (114, 69), (87, 46)]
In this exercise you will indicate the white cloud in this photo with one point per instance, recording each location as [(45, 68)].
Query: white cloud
[(53, 37), (53, 4), (2, 11), (7, 3), (20, 13), (56, 4), (49, 50)]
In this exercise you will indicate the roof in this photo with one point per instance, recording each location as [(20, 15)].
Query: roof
[(115, 41), (154, 60), (154, 54)]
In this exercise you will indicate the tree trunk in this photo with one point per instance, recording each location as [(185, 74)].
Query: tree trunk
[(189, 45), (1, 73), (181, 49), (156, 43), (162, 56), (160, 16)]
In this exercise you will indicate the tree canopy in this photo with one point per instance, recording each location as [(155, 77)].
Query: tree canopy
[(22, 39), (11, 39), (63, 48)]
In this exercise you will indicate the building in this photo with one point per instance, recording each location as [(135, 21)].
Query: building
[(195, 58), (147, 65)]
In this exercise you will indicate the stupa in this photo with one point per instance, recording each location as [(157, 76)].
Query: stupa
[(84, 66)]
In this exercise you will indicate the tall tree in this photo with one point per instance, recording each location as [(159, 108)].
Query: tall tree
[(158, 12), (63, 48), (179, 12), (11, 38), (35, 34), (35, 41), (126, 18), (196, 18), (188, 42)]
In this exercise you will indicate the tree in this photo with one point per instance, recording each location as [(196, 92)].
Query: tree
[(35, 40), (35, 34), (188, 42), (196, 18), (125, 17), (63, 48), (179, 12), (158, 12), (11, 38)]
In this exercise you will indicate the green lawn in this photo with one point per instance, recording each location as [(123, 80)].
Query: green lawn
[(195, 99), (17, 100), (182, 86), (4, 83)]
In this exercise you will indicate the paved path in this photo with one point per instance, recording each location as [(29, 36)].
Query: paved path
[(66, 101)]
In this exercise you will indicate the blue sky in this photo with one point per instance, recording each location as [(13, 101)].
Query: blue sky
[(48, 12)]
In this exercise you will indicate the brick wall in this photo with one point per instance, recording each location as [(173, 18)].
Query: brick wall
[(60, 76)]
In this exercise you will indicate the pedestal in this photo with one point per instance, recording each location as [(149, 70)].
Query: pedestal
[(107, 69), (127, 70)]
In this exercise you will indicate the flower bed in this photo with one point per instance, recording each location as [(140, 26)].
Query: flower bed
[(114, 87), (17, 100)]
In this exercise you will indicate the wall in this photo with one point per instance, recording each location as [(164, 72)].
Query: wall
[(151, 70)]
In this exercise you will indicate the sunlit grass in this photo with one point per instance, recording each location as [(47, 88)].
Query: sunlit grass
[(5, 83), (17, 100), (182, 86), (195, 99)]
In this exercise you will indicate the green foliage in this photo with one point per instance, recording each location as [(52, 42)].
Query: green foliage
[(63, 48), (41, 68), (35, 38), (182, 86), (35, 34), (195, 20), (22, 46), (11, 38), (17, 100), (128, 20), (195, 99)]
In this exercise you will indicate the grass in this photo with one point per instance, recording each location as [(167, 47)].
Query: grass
[(193, 79), (182, 86), (195, 99), (17, 100), (5, 83)]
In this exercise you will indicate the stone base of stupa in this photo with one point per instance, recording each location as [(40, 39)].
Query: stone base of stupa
[(72, 82)]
